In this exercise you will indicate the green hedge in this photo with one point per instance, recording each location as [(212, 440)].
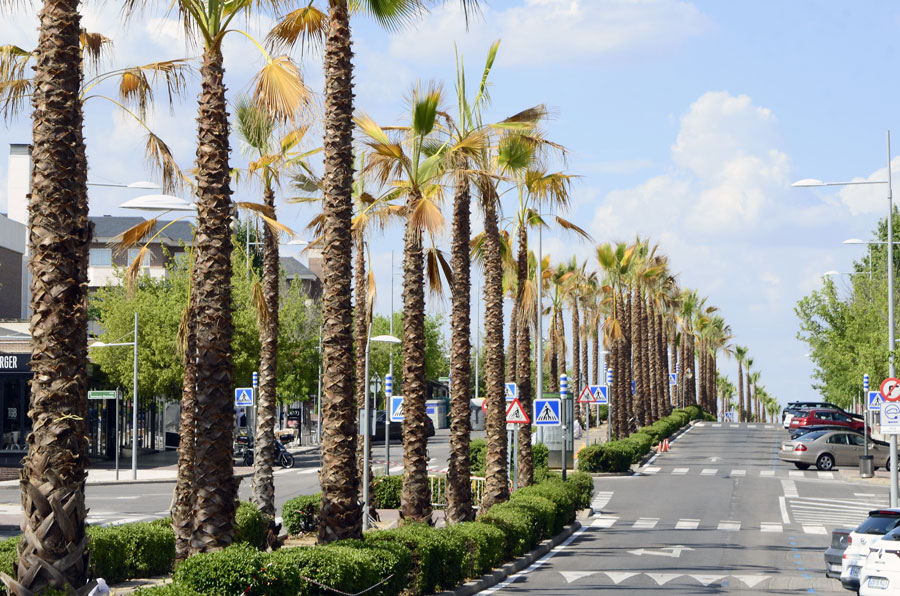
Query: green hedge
[(131, 550), (484, 547), (251, 525), (438, 556), (540, 455), (301, 514), (387, 491), (618, 456), (477, 454)]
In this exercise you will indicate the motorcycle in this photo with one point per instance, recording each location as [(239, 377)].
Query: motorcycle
[(282, 455)]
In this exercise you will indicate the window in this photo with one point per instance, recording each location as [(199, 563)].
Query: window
[(840, 417), (839, 439), (101, 257), (857, 440), (133, 253), (824, 416)]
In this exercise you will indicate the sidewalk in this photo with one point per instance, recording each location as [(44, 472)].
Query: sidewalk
[(152, 468)]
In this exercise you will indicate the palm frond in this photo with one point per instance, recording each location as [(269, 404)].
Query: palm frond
[(427, 216), (259, 304), (268, 216), (93, 48), (132, 236), (306, 25), (160, 160), (279, 90), (571, 227), (134, 270)]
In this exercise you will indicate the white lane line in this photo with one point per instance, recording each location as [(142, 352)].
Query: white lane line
[(701, 424), (790, 489), (308, 471), (771, 527), (718, 425), (645, 523), (680, 471), (864, 495), (796, 474), (814, 530), (767, 472), (738, 473), (687, 524), (652, 470), (826, 475), (396, 469), (830, 507), (127, 497), (784, 512), (537, 563), (729, 526), (859, 503), (601, 499), (604, 522), (708, 471)]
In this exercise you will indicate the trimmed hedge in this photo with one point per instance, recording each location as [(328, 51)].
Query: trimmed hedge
[(484, 544), (386, 493), (301, 514), (618, 456), (250, 525), (540, 455), (477, 453), (437, 555), (131, 550)]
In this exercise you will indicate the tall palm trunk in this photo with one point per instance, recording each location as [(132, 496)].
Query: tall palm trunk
[(554, 369), (561, 349), (585, 379), (690, 396), (673, 354), (415, 498), (362, 337), (622, 396), (636, 413), (340, 515), (53, 548), (523, 363), (511, 351), (185, 497), (701, 375), (575, 383), (595, 357), (662, 348), (496, 488), (652, 361), (214, 478), (741, 391), (264, 458), (459, 487), (749, 405)]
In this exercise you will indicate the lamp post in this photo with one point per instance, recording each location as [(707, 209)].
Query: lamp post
[(890, 286), (134, 409), (367, 418)]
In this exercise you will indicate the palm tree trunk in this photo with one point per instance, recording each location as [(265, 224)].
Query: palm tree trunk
[(583, 334), (595, 356), (652, 362), (673, 354), (53, 549), (637, 408), (662, 348), (561, 348), (749, 405), (459, 487), (185, 497), (340, 515), (576, 382), (214, 478), (415, 499), (622, 395), (741, 391), (264, 458), (496, 488), (511, 349), (553, 386), (523, 362), (362, 337)]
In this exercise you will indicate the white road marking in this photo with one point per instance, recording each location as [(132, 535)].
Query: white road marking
[(784, 512), (706, 579), (604, 522), (767, 472), (751, 426), (803, 504), (619, 576), (572, 576), (708, 472), (864, 495), (790, 489), (738, 473), (750, 580), (814, 530), (826, 475), (701, 424), (687, 524), (796, 474), (652, 470), (770, 527), (718, 425), (396, 469), (601, 499), (127, 497), (310, 471), (680, 471), (661, 578), (729, 526), (645, 523)]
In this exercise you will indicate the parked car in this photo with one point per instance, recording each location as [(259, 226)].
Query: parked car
[(817, 416), (396, 428), (826, 449), (834, 554), (788, 414), (802, 430), (865, 537), (880, 573), (817, 404)]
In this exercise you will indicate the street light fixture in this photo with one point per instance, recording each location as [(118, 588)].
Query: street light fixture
[(141, 184), (367, 419), (809, 182), (164, 203), (134, 408)]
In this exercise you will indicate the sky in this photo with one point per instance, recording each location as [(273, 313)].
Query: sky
[(685, 122)]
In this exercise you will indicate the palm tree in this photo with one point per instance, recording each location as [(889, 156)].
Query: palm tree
[(749, 408), (740, 354), (753, 381)]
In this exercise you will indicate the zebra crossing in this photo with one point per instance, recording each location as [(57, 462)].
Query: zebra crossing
[(117, 518), (605, 521), (831, 512), (649, 470)]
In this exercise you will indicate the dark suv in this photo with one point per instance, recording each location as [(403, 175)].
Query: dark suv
[(795, 407)]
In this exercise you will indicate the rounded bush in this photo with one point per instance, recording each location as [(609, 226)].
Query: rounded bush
[(250, 525), (484, 545), (582, 486), (229, 571), (301, 514), (543, 512), (386, 492), (540, 455), (388, 559), (131, 550), (477, 453), (437, 556), (557, 492), (517, 526)]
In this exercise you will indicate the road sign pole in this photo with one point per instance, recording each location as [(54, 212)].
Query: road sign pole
[(563, 416), (117, 433), (367, 422), (388, 392), (134, 409)]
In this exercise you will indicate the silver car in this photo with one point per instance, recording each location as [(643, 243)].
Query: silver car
[(827, 449)]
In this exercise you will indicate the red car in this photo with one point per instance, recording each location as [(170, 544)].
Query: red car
[(824, 416)]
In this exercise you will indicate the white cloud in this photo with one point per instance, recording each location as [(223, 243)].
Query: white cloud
[(548, 31), (869, 198)]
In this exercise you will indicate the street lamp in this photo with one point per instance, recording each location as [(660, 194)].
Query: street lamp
[(134, 409), (164, 203), (890, 286), (141, 184), (367, 418)]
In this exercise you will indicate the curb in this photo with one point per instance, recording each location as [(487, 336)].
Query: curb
[(504, 571)]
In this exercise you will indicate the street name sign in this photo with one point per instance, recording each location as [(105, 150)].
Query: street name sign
[(101, 394), (516, 414), (890, 389), (875, 401), (396, 408), (243, 397), (601, 394), (890, 418), (547, 412)]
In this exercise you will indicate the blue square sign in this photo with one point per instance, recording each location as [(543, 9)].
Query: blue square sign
[(601, 394), (875, 400), (396, 408), (547, 412), (243, 397)]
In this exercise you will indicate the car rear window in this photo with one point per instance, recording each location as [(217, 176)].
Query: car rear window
[(879, 524), (813, 435)]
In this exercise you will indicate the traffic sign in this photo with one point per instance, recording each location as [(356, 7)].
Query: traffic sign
[(729, 416), (890, 418), (101, 394), (673, 379), (601, 394), (396, 408), (512, 391), (516, 414), (243, 397), (587, 395), (547, 412), (875, 401), (890, 389), (633, 387)]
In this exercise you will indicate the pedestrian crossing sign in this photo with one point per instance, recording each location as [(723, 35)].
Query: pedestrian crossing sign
[(587, 395), (516, 414), (546, 412), (875, 401), (673, 378), (396, 408), (243, 397), (601, 394), (511, 391)]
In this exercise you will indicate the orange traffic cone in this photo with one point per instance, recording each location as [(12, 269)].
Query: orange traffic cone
[(659, 448), (665, 444)]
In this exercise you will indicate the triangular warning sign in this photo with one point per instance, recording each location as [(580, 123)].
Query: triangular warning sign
[(516, 414), (547, 414), (587, 396)]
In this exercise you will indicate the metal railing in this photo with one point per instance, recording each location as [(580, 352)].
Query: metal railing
[(437, 484)]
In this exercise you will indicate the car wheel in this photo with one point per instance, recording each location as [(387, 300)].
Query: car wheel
[(825, 462), (801, 466), (887, 465)]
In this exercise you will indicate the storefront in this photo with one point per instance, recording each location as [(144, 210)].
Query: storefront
[(14, 395)]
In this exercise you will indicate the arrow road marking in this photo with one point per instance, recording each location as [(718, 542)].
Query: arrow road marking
[(669, 551), (619, 576)]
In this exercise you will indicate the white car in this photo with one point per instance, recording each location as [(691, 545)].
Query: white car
[(881, 572), (862, 540), (787, 417)]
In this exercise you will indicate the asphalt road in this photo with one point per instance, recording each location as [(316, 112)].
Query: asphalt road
[(717, 514)]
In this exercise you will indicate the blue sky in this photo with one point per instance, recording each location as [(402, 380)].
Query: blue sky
[(687, 122)]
